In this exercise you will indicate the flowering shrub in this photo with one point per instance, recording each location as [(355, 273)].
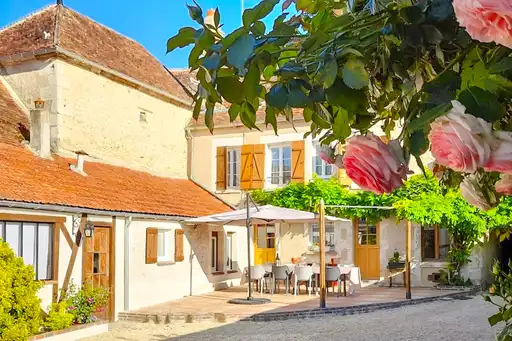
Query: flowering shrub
[(59, 317), (83, 303), (501, 288)]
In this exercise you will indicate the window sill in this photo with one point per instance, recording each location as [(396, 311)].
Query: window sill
[(50, 282), (165, 263), (232, 271), (434, 263), (229, 191), (218, 273)]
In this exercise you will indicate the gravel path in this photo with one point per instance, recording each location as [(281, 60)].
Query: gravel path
[(444, 320)]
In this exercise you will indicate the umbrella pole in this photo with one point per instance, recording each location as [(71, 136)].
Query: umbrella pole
[(323, 291), (248, 225)]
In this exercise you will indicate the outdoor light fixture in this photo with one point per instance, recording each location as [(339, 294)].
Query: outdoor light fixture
[(39, 103), (89, 229)]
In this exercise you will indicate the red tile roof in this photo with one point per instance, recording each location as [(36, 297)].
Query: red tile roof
[(60, 26), (25, 177)]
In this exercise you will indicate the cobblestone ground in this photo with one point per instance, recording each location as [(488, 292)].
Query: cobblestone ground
[(443, 320)]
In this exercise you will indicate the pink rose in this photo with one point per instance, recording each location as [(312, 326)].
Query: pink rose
[(504, 186), (472, 192), (486, 20), (501, 155), (326, 153), (374, 165), (461, 141)]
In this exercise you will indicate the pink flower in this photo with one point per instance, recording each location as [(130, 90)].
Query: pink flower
[(501, 155), (486, 20), (374, 165), (326, 153), (461, 141), (472, 192), (504, 185)]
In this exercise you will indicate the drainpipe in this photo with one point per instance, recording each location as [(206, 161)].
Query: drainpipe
[(127, 223)]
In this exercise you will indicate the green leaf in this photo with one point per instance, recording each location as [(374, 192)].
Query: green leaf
[(185, 37), (320, 117), (205, 79), (482, 103), (231, 89), (258, 28), (420, 164), (439, 10), (297, 98), (341, 126), (277, 96), (304, 5), (196, 13), (212, 62), (329, 72), (216, 17), (197, 108), (270, 118), (418, 143), (208, 116), (503, 65), (269, 72), (341, 95), (240, 51), (355, 75), (487, 298), (291, 70), (248, 115), (494, 319), (308, 114), (232, 37), (194, 56), (252, 82), (234, 111), (428, 116), (258, 12), (432, 34)]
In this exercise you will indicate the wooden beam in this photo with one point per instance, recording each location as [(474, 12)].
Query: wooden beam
[(408, 233), (436, 241), (32, 218), (112, 270), (55, 261), (323, 289), (66, 234), (74, 251)]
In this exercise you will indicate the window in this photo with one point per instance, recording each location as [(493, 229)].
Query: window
[(320, 167), (266, 236), (435, 242), (281, 165), (33, 242), (314, 236), (215, 251), (143, 117), (165, 246), (233, 168), (230, 263), (366, 233)]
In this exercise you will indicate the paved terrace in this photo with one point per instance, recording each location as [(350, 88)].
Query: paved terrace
[(215, 306)]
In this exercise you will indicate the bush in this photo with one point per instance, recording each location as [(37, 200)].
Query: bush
[(20, 311), (59, 317), (85, 302)]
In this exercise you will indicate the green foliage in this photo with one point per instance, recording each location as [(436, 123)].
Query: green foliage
[(20, 311), (58, 317), (501, 289), (83, 303)]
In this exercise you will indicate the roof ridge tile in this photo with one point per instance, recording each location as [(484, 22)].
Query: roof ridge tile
[(26, 18)]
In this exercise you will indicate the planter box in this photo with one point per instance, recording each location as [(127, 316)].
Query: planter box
[(396, 266), (73, 333)]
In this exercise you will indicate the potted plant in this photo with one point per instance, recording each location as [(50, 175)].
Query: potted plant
[(396, 262)]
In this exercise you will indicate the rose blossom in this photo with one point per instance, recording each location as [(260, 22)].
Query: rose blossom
[(472, 192), (504, 185), (486, 20), (501, 155), (374, 165), (461, 141), (326, 153)]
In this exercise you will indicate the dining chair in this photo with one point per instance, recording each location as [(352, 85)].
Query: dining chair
[(258, 276), (280, 273), (302, 274), (333, 275)]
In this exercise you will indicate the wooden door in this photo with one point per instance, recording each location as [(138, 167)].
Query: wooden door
[(367, 249), (264, 244), (96, 264)]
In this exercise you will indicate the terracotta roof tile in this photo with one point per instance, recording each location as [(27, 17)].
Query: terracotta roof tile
[(60, 26), (27, 178)]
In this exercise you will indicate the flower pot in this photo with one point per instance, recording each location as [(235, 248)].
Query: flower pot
[(396, 265)]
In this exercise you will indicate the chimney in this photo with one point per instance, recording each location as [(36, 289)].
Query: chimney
[(80, 161), (40, 129)]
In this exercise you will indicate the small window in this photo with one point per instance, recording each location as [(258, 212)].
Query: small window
[(314, 236), (165, 246), (143, 117), (435, 243), (281, 165), (215, 252), (367, 233), (321, 168), (233, 168)]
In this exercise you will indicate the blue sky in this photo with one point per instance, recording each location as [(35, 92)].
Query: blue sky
[(150, 22)]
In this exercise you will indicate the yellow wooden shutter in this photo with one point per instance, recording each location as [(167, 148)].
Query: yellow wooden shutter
[(343, 178), (178, 246), (258, 167), (246, 166), (221, 168), (298, 161), (151, 245)]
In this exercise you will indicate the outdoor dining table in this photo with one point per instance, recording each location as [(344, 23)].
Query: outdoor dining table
[(350, 273)]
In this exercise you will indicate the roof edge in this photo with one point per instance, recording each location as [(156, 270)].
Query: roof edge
[(26, 17), (212, 194)]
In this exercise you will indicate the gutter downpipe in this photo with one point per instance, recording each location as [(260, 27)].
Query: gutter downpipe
[(127, 223)]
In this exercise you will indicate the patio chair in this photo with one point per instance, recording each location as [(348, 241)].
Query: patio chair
[(316, 275), (303, 274), (258, 276), (280, 273), (333, 275)]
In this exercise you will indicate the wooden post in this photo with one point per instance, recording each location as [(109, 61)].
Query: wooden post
[(323, 289), (408, 233)]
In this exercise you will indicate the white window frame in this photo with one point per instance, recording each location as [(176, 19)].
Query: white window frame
[(167, 236), (214, 252), (268, 161), (330, 235), (230, 251), (233, 180), (324, 164)]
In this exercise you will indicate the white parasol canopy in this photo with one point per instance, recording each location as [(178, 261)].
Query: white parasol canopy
[(261, 215)]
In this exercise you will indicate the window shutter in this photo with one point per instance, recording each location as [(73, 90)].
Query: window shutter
[(221, 168), (151, 245), (343, 178), (178, 246), (258, 170), (298, 161), (246, 166)]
